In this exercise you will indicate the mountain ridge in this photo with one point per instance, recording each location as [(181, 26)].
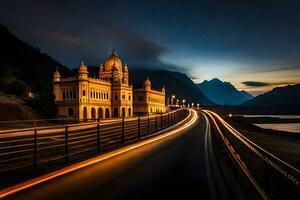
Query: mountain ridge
[(280, 96), (222, 92)]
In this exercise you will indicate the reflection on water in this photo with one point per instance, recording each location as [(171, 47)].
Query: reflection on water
[(291, 127), (277, 116)]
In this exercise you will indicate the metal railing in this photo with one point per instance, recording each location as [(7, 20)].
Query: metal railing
[(268, 175), (61, 143)]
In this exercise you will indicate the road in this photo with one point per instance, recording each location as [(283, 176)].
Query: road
[(173, 166)]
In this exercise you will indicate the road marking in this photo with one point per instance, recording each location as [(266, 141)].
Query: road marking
[(207, 147), (30, 183)]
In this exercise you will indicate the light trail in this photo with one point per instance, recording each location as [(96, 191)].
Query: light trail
[(41, 179), (236, 158), (284, 168)]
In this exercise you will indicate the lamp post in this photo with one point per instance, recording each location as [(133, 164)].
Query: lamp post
[(183, 101), (192, 104), (197, 105), (173, 97)]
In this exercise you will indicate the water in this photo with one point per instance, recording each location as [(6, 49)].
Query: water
[(291, 127), (278, 116)]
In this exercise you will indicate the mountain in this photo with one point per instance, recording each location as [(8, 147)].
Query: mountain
[(25, 69), (280, 96), (223, 93), (175, 83)]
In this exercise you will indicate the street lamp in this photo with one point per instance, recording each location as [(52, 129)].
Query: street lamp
[(173, 97), (192, 104), (197, 105), (183, 101)]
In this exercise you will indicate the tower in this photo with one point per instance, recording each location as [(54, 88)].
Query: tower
[(56, 78), (82, 71), (115, 74), (147, 84), (100, 71), (56, 75), (125, 75)]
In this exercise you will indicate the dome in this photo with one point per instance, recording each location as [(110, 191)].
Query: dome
[(82, 67), (147, 82), (111, 60), (56, 73)]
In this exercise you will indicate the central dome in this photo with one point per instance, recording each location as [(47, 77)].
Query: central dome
[(113, 59)]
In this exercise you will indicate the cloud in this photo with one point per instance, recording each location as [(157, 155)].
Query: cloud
[(73, 33), (65, 38), (257, 84), (280, 69)]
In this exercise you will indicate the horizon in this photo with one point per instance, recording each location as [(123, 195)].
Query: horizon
[(252, 45)]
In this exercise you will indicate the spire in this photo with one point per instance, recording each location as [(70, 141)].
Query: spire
[(56, 75), (114, 53), (163, 88), (82, 62), (125, 68)]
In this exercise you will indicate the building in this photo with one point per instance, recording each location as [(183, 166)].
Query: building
[(108, 95), (147, 100)]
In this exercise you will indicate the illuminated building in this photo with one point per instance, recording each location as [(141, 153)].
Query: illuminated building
[(108, 95)]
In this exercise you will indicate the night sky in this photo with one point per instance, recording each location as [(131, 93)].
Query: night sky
[(253, 44)]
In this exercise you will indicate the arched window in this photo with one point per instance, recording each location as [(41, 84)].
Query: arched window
[(123, 112), (93, 112), (100, 113), (116, 112), (94, 95), (84, 112), (107, 113), (91, 95), (71, 112), (64, 95), (129, 112), (67, 93), (74, 95), (83, 93), (101, 95), (107, 95)]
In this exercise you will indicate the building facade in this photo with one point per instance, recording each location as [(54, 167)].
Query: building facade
[(147, 100), (108, 95)]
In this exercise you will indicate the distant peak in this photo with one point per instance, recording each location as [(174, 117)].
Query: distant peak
[(216, 79)]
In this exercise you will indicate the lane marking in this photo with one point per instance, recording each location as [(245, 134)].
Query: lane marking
[(207, 146), (30, 183)]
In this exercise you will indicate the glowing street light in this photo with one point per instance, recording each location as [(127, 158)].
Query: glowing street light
[(173, 97)]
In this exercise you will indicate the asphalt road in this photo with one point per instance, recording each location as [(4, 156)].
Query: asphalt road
[(172, 167)]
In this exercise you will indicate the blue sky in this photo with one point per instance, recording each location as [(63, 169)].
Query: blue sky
[(253, 44)]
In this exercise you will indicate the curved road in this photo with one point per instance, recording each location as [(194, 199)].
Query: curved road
[(171, 167)]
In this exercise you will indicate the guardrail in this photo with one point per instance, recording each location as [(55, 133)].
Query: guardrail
[(268, 175), (33, 147)]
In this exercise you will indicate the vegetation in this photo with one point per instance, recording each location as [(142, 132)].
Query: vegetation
[(25, 69)]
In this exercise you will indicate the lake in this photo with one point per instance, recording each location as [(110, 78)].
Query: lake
[(278, 116), (291, 127)]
